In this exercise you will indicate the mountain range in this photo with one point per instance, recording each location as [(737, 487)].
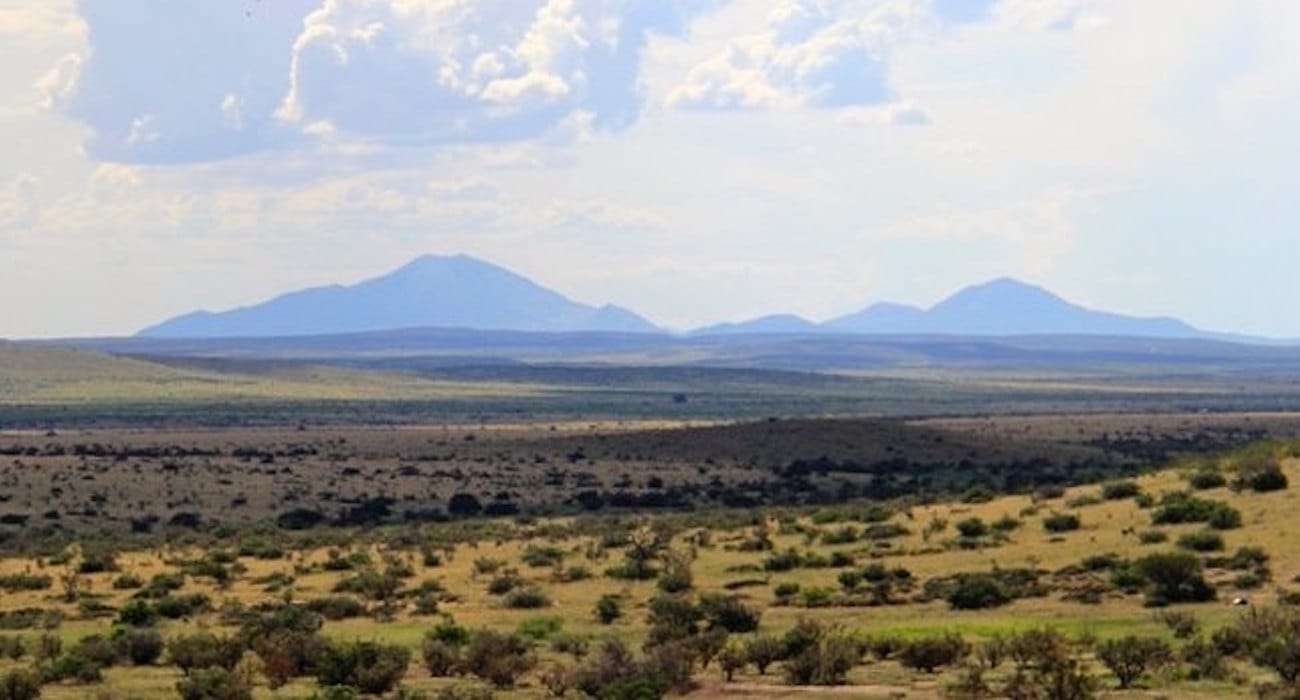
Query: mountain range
[(464, 292)]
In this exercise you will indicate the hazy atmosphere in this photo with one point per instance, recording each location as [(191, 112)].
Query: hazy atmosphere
[(695, 160)]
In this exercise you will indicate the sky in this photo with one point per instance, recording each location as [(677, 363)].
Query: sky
[(693, 160)]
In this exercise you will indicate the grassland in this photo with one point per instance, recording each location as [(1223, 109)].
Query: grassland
[(926, 545)]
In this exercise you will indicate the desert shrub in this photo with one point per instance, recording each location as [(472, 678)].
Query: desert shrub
[(613, 672), (541, 627), (142, 647), (931, 653), (827, 662), (972, 527), (97, 649), (1130, 657), (1204, 541), (729, 612), (499, 659), (1006, 523), (20, 684), (175, 607), (1259, 472), (200, 650), (1206, 479), (571, 644), (370, 667), (538, 557), (337, 607), (1174, 577), (1182, 507), (71, 667), (12, 647), (97, 561), (608, 609), (127, 582), (788, 560), (440, 658), (1061, 522), (13, 583), (137, 613), (978, 591), (675, 580), (1204, 660), (763, 650), (47, 647), (1119, 490), (214, 684), (503, 584), (1153, 536), (784, 591), (884, 531), (672, 617), (1181, 624), (1046, 668), (527, 598)]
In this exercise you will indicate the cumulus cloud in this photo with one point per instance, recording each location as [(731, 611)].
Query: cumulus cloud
[(474, 70), (820, 53), (207, 79), (179, 81)]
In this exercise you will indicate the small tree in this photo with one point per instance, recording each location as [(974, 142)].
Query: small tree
[(931, 653), (608, 609), (214, 684), (1175, 577), (1130, 657), (499, 659), (20, 684), (763, 651), (732, 659)]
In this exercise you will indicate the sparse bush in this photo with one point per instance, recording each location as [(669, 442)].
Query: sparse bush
[(200, 650), (370, 667), (1182, 507), (1180, 623), (1061, 522), (978, 591), (527, 598), (1120, 490), (763, 651), (931, 653), (20, 684), (499, 659), (1260, 472), (1174, 577), (1130, 657), (1205, 541), (972, 528), (1153, 536), (608, 609), (214, 684), (1206, 479), (827, 662), (541, 627), (729, 612)]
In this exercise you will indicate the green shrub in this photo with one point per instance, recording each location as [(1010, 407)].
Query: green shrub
[(978, 591), (1061, 522), (527, 598), (972, 528), (201, 650), (608, 609), (541, 627), (1130, 657), (729, 612), (1181, 507), (370, 667), (214, 684), (1259, 472), (13, 583), (1174, 577), (1153, 536), (1206, 479), (1205, 541), (499, 659), (931, 653), (142, 647), (1120, 490), (20, 684)]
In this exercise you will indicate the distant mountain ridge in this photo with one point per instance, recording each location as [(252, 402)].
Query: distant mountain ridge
[(431, 291), (1001, 307), (464, 292)]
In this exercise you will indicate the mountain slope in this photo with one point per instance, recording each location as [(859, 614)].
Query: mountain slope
[(431, 291), (1007, 307), (776, 323)]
